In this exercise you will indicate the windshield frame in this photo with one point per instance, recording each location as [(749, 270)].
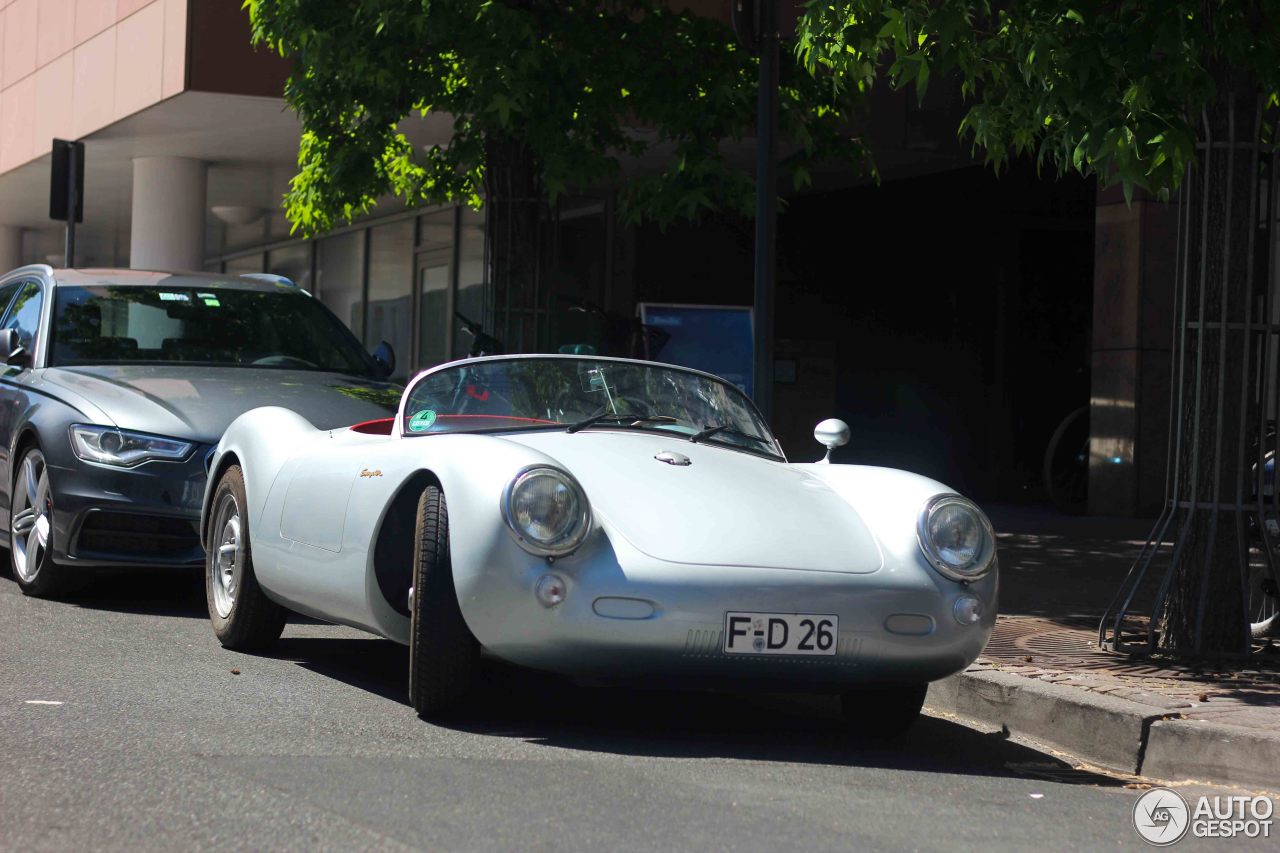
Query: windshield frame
[(774, 454), (369, 368)]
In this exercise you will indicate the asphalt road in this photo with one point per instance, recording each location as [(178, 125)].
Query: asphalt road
[(158, 744)]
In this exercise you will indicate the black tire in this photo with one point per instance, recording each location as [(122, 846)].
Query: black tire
[(243, 617), (31, 532), (443, 655), (883, 712)]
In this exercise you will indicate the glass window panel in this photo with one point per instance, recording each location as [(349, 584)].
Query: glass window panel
[(243, 264), (435, 230), (433, 283), (435, 276), (339, 273), (471, 277), (390, 312), (292, 262)]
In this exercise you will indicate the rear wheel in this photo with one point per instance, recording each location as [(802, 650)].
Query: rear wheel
[(31, 531), (243, 617), (883, 712), (443, 655)]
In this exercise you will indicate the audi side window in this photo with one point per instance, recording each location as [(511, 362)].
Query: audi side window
[(6, 296), (24, 314)]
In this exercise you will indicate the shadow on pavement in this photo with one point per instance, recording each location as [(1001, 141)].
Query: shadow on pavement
[(1061, 565), (141, 590), (374, 665), (544, 709)]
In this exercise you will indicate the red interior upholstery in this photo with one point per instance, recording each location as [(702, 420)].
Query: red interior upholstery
[(381, 426)]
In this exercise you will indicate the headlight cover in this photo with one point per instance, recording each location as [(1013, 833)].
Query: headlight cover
[(546, 511), (956, 537), (123, 449)]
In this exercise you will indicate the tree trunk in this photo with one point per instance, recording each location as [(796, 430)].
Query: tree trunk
[(513, 219), (1216, 380)]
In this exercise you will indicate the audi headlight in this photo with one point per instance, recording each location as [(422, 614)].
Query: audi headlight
[(111, 446), (546, 511), (956, 537)]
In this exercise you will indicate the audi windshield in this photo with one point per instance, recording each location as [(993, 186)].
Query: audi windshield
[(135, 324)]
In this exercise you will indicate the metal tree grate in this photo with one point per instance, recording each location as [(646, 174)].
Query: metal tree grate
[(1070, 645), (1225, 367)]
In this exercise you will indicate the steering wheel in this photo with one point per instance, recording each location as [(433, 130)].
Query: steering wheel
[(631, 406)]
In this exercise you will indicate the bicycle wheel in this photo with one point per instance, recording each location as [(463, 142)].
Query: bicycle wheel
[(1066, 463)]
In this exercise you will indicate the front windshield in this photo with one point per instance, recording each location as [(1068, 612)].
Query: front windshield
[(559, 393), (131, 324)]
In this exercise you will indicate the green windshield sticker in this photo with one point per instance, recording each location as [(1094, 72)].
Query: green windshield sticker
[(422, 421)]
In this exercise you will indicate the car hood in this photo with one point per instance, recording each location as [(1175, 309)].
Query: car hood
[(199, 402), (725, 508)]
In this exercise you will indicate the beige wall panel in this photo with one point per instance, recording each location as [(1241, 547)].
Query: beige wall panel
[(139, 60), (92, 17), (95, 83), (174, 76), (54, 88), (19, 57), (125, 8), (17, 123), (55, 30)]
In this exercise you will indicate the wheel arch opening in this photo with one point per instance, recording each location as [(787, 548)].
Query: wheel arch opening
[(393, 547), (226, 461)]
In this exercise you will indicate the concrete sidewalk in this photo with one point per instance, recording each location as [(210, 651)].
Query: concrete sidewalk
[(1042, 675)]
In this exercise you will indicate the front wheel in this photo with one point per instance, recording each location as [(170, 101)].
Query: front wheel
[(243, 617), (443, 655), (31, 531), (883, 712)]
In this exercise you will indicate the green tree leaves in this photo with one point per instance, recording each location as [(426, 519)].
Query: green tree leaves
[(1112, 88), (589, 86)]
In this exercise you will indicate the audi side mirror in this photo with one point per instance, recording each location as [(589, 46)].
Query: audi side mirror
[(831, 433), (385, 356), (14, 352)]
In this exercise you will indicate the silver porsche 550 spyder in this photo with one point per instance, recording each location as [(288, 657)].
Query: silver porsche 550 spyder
[(601, 519)]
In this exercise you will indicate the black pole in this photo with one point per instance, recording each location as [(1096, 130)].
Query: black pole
[(766, 206), (69, 255)]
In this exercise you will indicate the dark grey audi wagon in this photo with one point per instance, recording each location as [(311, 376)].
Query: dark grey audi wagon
[(118, 384)]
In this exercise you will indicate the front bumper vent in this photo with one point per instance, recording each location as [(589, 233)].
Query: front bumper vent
[(121, 536)]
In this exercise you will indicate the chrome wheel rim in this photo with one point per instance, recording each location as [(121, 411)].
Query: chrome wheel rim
[(226, 563), (30, 517)]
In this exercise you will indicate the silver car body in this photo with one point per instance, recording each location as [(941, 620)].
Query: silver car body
[(672, 549)]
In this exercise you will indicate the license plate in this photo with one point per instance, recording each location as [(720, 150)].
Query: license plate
[(780, 633)]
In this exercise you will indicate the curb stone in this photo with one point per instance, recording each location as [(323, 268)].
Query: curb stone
[(1111, 732), (1220, 752), (1103, 730)]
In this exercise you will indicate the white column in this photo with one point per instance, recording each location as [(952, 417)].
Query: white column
[(10, 247), (167, 230)]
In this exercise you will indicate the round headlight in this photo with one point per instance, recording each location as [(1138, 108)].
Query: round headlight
[(956, 537), (547, 511)]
